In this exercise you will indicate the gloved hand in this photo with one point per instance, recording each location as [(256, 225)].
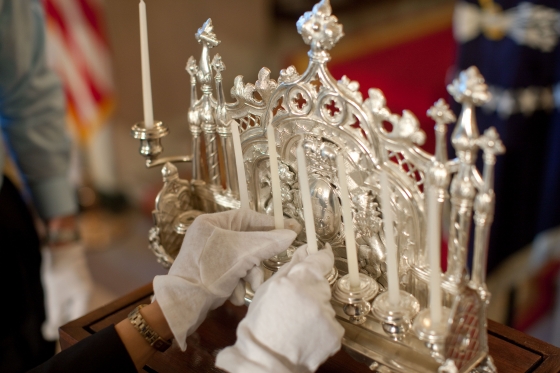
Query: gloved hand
[(217, 252), (290, 326), (67, 284)]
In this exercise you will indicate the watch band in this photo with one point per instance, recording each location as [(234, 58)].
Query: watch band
[(146, 331)]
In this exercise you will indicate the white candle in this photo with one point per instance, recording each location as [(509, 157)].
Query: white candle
[(351, 253), (275, 179), (434, 250), (306, 201), (146, 81), (243, 194), (390, 246)]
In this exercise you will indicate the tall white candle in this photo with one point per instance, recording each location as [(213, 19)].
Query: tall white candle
[(351, 253), (275, 179), (306, 201), (243, 194), (145, 57), (434, 250), (390, 246)]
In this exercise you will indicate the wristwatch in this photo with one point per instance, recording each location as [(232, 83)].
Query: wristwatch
[(146, 331)]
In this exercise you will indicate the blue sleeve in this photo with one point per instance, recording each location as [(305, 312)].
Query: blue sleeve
[(32, 109)]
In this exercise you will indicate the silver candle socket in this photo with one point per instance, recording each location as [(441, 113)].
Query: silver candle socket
[(356, 302), (150, 143), (395, 319), (433, 334), (332, 276), (277, 261)]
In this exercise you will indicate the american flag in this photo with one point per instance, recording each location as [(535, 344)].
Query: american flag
[(78, 50)]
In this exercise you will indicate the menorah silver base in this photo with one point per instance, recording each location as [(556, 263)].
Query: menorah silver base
[(369, 344)]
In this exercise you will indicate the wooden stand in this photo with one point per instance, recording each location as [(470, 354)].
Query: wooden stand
[(513, 351)]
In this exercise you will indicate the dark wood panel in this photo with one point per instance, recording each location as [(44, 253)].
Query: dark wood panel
[(513, 351), (512, 358), (78, 329), (510, 346)]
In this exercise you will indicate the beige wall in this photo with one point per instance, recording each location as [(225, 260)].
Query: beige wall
[(243, 28)]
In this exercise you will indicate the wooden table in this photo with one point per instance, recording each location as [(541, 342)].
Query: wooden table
[(513, 351)]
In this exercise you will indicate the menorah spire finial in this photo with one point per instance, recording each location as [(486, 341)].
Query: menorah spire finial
[(205, 34), (491, 145), (443, 116), (208, 39), (218, 64), (490, 142), (191, 67), (320, 29), (469, 87), (441, 113)]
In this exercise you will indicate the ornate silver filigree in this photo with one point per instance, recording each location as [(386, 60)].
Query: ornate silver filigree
[(246, 93), (353, 88), (408, 127), (288, 75)]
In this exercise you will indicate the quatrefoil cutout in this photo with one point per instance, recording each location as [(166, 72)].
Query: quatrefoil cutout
[(332, 109), (299, 101)]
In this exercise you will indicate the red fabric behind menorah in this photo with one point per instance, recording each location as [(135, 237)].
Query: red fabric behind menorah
[(413, 75)]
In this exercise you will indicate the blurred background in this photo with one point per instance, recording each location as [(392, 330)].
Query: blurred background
[(404, 47)]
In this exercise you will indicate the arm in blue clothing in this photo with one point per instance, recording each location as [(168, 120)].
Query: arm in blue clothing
[(32, 109)]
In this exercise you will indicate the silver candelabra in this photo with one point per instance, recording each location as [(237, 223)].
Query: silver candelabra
[(333, 118)]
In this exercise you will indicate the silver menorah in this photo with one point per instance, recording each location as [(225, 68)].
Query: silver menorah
[(333, 118)]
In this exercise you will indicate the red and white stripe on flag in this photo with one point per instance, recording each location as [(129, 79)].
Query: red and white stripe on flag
[(78, 50)]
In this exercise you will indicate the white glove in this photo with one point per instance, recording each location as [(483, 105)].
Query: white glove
[(290, 325), (67, 284), (218, 251)]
